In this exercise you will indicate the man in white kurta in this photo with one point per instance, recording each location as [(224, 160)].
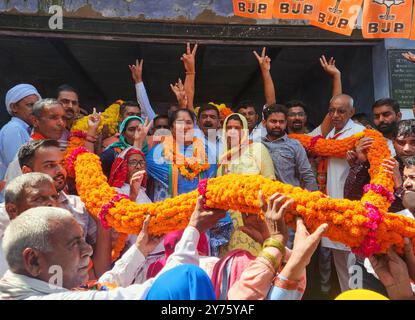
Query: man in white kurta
[(56, 235), (340, 111)]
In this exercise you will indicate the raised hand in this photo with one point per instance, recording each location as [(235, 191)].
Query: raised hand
[(189, 59), (145, 243), (137, 71), (180, 93), (304, 246), (351, 157), (202, 219), (94, 120), (264, 61), (274, 212), (135, 183), (393, 273), (141, 133), (409, 56), (392, 166), (330, 66), (362, 148)]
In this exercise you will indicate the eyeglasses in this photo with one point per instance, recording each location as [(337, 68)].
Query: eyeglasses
[(296, 114), (134, 163)]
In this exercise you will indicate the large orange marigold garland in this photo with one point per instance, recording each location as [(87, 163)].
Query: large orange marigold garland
[(364, 225)]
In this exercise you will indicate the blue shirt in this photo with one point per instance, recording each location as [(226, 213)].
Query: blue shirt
[(13, 134), (291, 164), (158, 168)]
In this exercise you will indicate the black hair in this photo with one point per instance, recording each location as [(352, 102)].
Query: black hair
[(175, 114), (126, 104), (28, 150), (67, 88), (160, 116), (206, 107), (296, 103), (387, 102), (275, 108), (245, 104)]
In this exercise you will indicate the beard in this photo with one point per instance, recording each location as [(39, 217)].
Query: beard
[(60, 182), (387, 129), (276, 133)]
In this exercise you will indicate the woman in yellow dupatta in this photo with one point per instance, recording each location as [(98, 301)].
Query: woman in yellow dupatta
[(240, 155)]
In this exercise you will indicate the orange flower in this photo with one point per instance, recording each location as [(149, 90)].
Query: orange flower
[(196, 164), (347, 219)]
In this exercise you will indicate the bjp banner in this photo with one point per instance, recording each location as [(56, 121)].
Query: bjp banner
[(337, 15), (413, 25), (387, 18), (255, 9), (296, 9)]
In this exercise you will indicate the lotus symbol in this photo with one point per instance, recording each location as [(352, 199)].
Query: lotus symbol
[(388, 4)]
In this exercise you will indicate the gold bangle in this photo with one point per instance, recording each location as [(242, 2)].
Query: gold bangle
[(270, 258), (270, 242)]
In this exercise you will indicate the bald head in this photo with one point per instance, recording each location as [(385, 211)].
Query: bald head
[(345, 99), (341, 109)]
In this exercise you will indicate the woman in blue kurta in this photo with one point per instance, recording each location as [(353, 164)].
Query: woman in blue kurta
[(169, 181)]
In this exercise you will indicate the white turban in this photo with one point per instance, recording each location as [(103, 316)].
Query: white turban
[(18, 93)]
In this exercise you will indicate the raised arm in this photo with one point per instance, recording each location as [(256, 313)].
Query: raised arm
[(189, 59), (140, 89), (265, 65), (94, 121), (331, 69)]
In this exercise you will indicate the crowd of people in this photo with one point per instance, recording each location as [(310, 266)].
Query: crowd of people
[(53, 248)]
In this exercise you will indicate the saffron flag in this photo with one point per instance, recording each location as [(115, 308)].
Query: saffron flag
[(413, 25), (337, 15), (387, 18), (296, 9), (255, 9)]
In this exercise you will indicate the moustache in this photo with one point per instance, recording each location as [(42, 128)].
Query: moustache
[(59, 176)]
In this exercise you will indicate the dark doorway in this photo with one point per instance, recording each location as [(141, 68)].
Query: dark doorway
[(226, 73)]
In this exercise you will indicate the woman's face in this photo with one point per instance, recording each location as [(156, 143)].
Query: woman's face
[(233, 132), (130, 129), (135, 163), (183, 128)]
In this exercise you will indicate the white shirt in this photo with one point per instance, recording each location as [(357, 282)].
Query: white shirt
[(141, 197), (258, 133), (391, 147), (337, 172), (16, 286), (4, 222)]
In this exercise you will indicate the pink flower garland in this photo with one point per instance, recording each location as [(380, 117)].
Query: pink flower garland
[(202, 188), (71, 160), (78, 134), (313, 142), (369, 245), (106, 208), (379, 189)]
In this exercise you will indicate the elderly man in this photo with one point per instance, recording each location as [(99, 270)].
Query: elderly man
[(341, 110), (46, 157), (26, 191), (19, 103), (54, 259)]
